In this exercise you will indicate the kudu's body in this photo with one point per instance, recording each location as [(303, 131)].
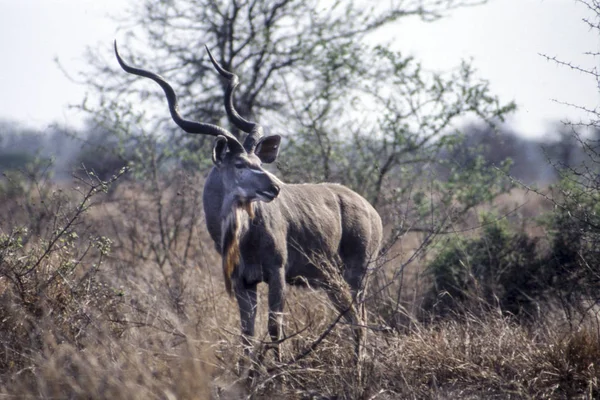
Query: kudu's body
[(268, 231), (305, 224)]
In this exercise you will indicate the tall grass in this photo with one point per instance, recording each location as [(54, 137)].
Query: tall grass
[(119, 296)]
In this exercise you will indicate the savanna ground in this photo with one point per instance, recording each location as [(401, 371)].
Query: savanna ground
[(114, 289), (117, 293)]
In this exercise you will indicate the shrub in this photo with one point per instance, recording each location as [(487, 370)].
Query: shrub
[(499, 268), (48, 274), (574, 227)]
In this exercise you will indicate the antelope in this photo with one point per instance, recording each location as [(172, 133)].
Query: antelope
[(269, 231)]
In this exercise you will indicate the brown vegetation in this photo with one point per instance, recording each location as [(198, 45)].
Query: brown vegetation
[(121, 295)]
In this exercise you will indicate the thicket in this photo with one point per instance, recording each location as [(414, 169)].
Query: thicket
[(506, 269)]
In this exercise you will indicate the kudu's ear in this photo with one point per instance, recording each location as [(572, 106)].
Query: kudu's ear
[(267, 148), (219, 150)]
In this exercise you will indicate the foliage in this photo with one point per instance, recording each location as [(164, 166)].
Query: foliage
[(500, 268), (25, 193), (49, 262), (397, 119), (574, 228), (100, 153), (509, 270)]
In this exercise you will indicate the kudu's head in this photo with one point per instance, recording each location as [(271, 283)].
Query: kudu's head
[(240, 166)]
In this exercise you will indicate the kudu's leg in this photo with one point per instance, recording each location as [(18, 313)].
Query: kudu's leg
[(246, 298), (353, 311), (276, 303), (355, 275)]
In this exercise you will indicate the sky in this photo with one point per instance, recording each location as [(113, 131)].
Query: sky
[(504, 40)]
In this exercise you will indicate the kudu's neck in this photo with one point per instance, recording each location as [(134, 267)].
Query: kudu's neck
[(219, 204), (225, 218)]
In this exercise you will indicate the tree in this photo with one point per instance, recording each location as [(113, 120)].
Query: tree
[(264, 41), (351, 111)]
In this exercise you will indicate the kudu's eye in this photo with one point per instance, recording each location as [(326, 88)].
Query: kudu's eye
[(239, 165)]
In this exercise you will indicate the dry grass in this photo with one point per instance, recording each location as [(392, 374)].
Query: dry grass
[(155, 322), (494, 358)]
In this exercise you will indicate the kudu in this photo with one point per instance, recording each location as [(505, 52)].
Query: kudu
[(268, 231)]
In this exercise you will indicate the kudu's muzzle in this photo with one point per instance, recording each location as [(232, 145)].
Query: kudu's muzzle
[(269, 194), (271, 188)]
